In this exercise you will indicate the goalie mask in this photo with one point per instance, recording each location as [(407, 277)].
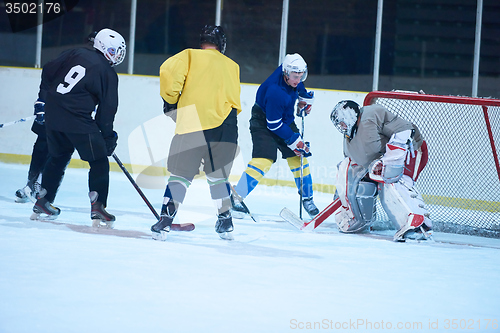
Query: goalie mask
[(295, 63), (214, 35), (112, 45), (345, 116)]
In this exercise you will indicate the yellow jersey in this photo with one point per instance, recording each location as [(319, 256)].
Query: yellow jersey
[(205, 84)]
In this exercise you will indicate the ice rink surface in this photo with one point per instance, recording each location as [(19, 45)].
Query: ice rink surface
[(63, 276)]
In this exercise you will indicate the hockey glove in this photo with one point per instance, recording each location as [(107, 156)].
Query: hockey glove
[(39, 111), (305, 104), (303, 111), (390, 168), (300, 147), (170, 110), (111, 143)]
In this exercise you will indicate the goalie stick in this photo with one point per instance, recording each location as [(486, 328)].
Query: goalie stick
[(22, 120), (175, 226), (300, 224)]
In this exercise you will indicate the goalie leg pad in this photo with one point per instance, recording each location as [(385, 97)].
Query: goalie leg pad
[(403, 203), (365, 198), (349, 224), (357, 197)]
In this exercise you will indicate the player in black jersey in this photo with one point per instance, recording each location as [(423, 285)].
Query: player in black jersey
[(72, 86), (33, 190)]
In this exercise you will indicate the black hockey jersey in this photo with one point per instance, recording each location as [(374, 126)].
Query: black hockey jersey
[(73, 85)]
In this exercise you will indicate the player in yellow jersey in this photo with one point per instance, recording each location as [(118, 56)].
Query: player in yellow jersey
[(201, 93)]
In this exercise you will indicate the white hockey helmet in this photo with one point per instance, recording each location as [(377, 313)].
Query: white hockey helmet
[(112, 45), (294, 63), (344, 117)]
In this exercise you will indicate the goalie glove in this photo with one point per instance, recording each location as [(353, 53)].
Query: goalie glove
[(299, 147), (389, 169), (305, 104), (39, 111)]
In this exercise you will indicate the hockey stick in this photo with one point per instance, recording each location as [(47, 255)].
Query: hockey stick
[(240, 199), (22, 120), (301, 171), (300, 224), (176, 227)]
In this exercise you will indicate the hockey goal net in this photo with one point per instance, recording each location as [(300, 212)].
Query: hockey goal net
[(461, 183)]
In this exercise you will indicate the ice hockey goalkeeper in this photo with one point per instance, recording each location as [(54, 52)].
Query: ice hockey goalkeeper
[(384, 154)]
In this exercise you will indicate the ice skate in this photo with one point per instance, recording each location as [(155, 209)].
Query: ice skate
[(310, 207), (21, 197), (237, 209), (33, 191), (422, 233), (224, 226), (43, 210), (160, 230), (100, 217), (414, 229)]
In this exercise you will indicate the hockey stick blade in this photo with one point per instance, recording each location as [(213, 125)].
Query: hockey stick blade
[(240, 199), (22, 120), (248, 211), (182, 227), (298, 223), (291, 218)]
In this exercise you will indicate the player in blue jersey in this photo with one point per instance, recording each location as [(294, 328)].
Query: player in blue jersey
[(273, 128)]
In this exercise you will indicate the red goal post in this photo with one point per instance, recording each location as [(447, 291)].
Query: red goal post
[(461, 183)]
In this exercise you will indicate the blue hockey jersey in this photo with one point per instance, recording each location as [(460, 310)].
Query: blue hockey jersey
[(277, 99)]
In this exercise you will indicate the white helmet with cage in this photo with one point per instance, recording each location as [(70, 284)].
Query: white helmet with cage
[(344, 117), (294, 63), (112, 45)]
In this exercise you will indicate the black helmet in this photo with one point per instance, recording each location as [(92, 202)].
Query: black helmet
[(91, 37), (214, 35)]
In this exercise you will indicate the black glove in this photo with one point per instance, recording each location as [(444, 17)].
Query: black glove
[(111, 143), (170, 110), (39, 111)]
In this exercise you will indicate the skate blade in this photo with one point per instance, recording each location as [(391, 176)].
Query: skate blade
[(22, 200), (417, 236), (159, 236), (238, 215), (42, 217), (226, 235), (98, 223)]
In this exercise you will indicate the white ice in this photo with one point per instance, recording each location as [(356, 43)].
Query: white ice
[(55, 277)]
